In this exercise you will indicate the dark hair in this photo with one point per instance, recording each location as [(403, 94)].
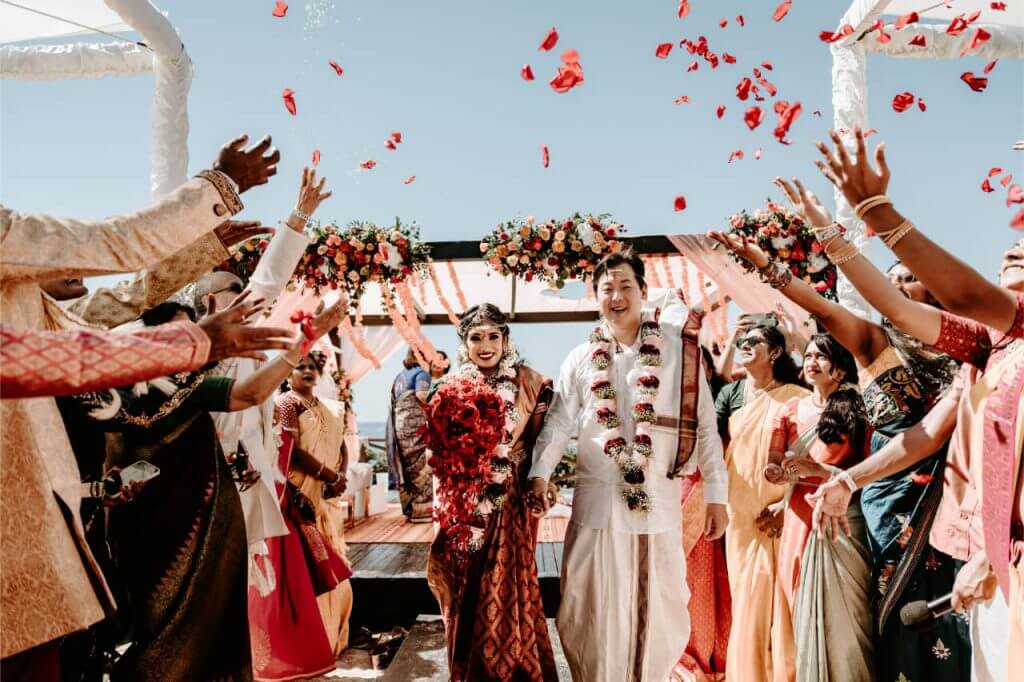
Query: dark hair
[(929, 298), (319, 359), (784, 369), (614, 260), (163, 313), (410, 359), (845, 414), (485, 313), (715, 380)]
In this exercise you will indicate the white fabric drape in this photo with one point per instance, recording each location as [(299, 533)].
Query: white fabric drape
[(57, 62)]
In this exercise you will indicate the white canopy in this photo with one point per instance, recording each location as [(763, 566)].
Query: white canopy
[(1013, 16), (18, 24)]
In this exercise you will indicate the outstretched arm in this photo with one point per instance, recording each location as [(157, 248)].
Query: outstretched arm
[(960, 288)]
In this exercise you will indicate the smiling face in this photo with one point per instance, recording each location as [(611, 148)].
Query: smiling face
[(818, 368), (619, 296), (903, 279), (485, 345), (304, 377), (1011, 274), (754, 352)]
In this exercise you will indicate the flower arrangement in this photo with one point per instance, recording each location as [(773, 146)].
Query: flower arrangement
[(344, 388), (244, 258), (785, 237), (554, 251), (361, 253), (465, 424)]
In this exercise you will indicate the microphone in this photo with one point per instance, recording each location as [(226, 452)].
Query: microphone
[(924, 615)]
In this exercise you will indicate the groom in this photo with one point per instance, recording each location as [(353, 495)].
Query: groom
[(623, 615)]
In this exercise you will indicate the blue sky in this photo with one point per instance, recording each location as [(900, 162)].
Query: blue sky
[(446, 75)]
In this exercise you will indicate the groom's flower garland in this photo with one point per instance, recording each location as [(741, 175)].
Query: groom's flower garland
[(631, 458), (503, 381)]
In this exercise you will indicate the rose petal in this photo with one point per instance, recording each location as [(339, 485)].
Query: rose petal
[(829, 37), (921, 105), (289, 100), (919, 41), (723, 23), (906, 19), (661, 52), (1015, 195), (1017, 222), (786, 120), (280, 9), (684, 8), (991, 65), (550, 40), (960, 24), (743, 88), (753, 117), (526, 73), (545, 155), (883, 37), (902, 102), (757, 154), (409, 180), (976, 83), (738, 154), (693, 67), (682, 99), (568, 77), (1005, 182), (767, 65), (816, 113), (986, 186), (720, 111), (390, 145), (337, 68), (998, 6), (994, 171), (571, 56), (728, 58), (739, 20), (679, 204), (368, 164), (316, 157), (978, 38), (782, 10)]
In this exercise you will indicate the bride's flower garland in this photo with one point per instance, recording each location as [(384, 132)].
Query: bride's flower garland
[(503, 381), (631, 458)]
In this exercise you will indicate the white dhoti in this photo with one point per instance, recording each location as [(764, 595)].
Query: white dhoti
[(990, 637), (623, 616)]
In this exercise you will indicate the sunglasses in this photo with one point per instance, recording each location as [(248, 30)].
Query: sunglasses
[(749, 342), (234, 287)]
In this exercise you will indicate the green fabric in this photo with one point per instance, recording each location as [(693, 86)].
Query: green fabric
[(730, 400)]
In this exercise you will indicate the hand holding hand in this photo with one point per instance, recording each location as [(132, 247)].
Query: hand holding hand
[(231, 336), (247, 168), (855, 178), (538, 497), (743, 247)]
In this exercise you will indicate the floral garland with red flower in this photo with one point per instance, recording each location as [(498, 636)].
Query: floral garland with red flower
[(554, 251), (243, 258), (503, 381), (785, 237), (465, 424), (631, 458)]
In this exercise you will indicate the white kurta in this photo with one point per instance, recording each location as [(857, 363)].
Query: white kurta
[(254, 427), (623, 615)]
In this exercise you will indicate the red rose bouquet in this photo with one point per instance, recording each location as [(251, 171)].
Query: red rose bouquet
[(465, 419)]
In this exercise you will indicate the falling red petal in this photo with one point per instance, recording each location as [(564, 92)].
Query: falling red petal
[(567, 78), (526, 73), (550, 40), (902, 102), (991, 65), (289, 100), (906, 19), (720, 111), (921, 105), (829, 37), (998, 6), (757, 154), (1015, 195), (316, 157), (976, 83), (368, 164), (661, 52), (723, 23), (1017, 222), (1005, 182), (767, 65), (728, 58), (337, 67), (986, 186), (919, 41), (780, 107), (978, 38), (684, 8), (753, 117), (545, 155), (408, 180), (738, 154), (994, 171), (682, 99), (973, 16), (743, 88), (280, 9), (782, 10), (957, 26), (739, 20), (883, 37), (692, 67), (679, 204), (396, 137), (786, 120), (571, 56), (390, 145)]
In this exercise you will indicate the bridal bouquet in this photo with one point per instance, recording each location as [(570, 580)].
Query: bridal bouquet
[(785, 237), (465, 419), (245, 257), (554, 251)]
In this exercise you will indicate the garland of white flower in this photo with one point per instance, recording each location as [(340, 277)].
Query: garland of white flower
[(631, 458), (503, 381)]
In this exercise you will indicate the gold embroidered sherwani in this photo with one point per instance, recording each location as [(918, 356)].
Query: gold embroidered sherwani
[(49, 583)]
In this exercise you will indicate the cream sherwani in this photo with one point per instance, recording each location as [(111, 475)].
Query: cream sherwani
[(254, 428), (49, 583), (623, 616)]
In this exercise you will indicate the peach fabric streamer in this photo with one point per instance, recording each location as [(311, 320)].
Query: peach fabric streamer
[(668, 271), (452, 317), (405, 296), (654, 280), (686, 279), (421, 288), (723, 318), (360, 344), (458, 287)]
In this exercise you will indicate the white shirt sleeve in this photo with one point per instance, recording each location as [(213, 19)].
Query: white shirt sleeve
[(277, 264), (560, 422), (710, 458)]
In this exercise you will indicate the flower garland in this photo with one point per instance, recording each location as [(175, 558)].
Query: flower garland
[(553, 252), (504, 383), (458, 287), (452, 317), (359, 342), (652, 272), (631, 458)]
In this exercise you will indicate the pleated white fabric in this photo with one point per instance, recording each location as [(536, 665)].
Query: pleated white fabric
[(990, 632)]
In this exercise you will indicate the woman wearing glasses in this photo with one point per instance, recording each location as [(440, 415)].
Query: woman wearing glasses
[(756, 505)]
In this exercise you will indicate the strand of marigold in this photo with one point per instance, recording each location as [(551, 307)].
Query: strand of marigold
[(452, 317), (359, 313), (668, 271), (360, 345), (421, 288), (401, 324), (458, 287), (359, 329), (405, 296), (723, 318), (686, 280), (652, 273)]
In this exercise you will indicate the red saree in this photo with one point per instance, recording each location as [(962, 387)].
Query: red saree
[(289, 641)]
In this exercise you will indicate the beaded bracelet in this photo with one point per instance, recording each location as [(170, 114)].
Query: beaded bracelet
[(891, 238), (776, 275), (869, 203), (843, 253)]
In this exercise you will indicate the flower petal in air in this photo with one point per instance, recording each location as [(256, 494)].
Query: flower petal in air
[(991, 65), (337, 67), (369, 164), (683, 9), (753, 117), (782, 10), (976, 83), (738, 154), (526, 73), (280, 9), (409, 180), (550, 40), (679, 204), (902, 102), (919, 41), (316, 157), (978, 38), (661, 52), (289, 100), (907, 19), (720, 111), (545, 155)]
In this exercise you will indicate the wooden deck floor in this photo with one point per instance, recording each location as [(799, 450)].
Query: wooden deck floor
[(391, 527)]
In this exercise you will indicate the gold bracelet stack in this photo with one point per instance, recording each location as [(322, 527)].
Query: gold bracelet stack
[(776, 275), (890, 238), (843, 253), (863, 207)]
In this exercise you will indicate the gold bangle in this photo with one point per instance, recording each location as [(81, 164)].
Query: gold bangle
[(843, 254), (891, 238), (869, 203)]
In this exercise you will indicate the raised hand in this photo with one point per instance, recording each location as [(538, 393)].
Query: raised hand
[(247, 167), (231, 232), (311, 194), (743, 247), (856, 178), (805, 203), (231, 336)]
